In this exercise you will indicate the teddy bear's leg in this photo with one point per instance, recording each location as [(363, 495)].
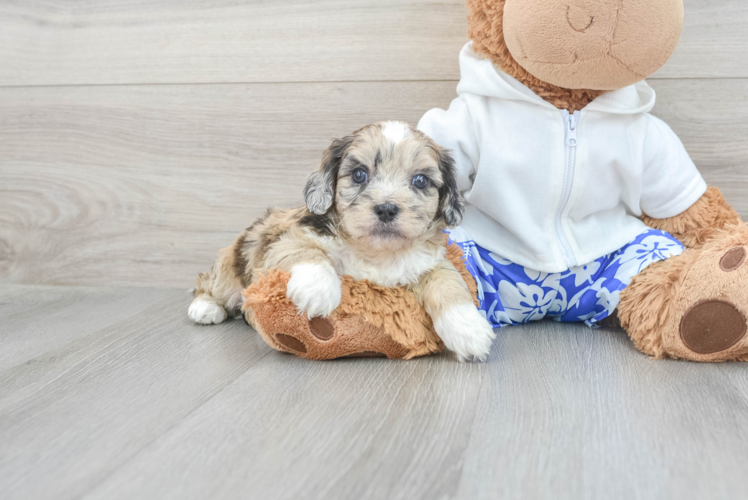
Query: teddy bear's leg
[(700, 223), (337, 336), (694, 306)]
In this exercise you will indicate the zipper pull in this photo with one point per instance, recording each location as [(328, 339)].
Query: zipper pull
[(571, 136)]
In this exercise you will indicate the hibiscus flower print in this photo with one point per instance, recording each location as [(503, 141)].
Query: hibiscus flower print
[(524, 303), (511, 294), (609, 300), (536, 276), (650, 249), (585, 274), (560, 303)]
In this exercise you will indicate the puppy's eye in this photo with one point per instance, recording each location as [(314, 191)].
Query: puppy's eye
[(360, 176), (420, 182)]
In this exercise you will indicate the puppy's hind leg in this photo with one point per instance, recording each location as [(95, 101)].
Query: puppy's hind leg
[(205, 311), (218, 293)]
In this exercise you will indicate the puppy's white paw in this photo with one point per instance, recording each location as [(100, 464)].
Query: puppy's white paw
[(465, 332), (315, 289), (204, 312)]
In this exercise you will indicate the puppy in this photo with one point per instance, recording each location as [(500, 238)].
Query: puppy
[(375, 210)]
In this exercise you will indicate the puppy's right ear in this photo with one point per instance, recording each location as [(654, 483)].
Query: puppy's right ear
[(319, 192)]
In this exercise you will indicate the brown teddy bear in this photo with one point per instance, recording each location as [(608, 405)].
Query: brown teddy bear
[(580, 204), (537, 67), (371, 321)]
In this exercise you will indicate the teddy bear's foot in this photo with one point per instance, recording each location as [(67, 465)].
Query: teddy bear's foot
[(333, 337), (318, 341), (694, 306)]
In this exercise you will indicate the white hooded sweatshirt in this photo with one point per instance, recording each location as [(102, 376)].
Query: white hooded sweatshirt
[(549, 190)]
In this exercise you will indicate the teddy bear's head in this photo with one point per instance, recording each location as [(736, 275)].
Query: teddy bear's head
[(571, 51)]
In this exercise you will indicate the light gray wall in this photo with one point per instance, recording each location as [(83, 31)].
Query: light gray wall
[(139, 137)]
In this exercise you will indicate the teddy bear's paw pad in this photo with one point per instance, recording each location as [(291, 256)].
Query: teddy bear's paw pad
[(733, 260), (713, 326), (367, 354), (322, 328), (290, 342)]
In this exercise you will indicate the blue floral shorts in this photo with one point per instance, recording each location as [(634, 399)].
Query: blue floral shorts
[(511, 294)]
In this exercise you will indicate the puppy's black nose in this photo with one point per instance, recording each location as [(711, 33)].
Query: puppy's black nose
[(386, 212)]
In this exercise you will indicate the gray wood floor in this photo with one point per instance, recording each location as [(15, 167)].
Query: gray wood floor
[(113, 394)]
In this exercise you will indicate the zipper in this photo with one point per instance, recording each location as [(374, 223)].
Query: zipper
[(571, 122)]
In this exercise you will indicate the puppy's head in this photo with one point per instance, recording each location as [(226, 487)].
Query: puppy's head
[(387, 185)]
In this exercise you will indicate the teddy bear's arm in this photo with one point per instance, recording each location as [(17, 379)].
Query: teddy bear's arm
[(698, 224)]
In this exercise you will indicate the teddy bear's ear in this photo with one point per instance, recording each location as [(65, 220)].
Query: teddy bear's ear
[(452, 203), (319, 193)]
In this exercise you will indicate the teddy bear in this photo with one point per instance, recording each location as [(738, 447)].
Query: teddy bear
[(581, 205), (371, 322)]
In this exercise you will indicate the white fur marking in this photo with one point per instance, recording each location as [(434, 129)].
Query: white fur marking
[(465, 332), (391, 269), (204, 312), (315, 289), (396, 131)]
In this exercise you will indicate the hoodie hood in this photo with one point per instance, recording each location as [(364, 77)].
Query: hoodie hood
[(479, 76)]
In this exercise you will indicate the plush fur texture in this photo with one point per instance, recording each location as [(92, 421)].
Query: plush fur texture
[(544, 20), (486, 30), (370, 320), (700, 223), (600, 44), (654, 309)]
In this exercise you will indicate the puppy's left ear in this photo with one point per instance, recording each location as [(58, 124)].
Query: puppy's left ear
[(319, 193), (452, 203)]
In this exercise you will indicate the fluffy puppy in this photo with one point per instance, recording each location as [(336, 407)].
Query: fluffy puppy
[(376, 210)]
